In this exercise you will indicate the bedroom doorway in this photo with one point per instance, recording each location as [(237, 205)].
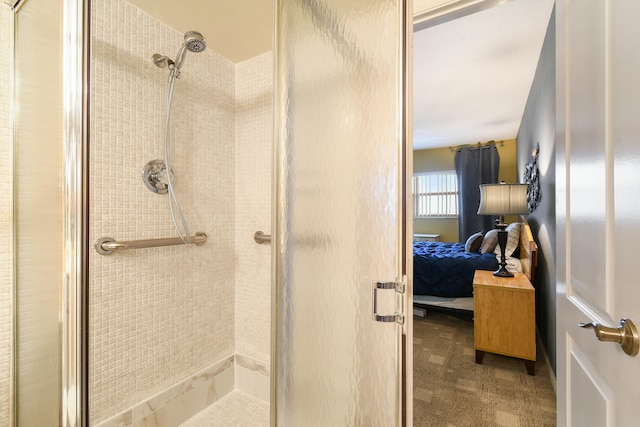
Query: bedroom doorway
[(463, 96)]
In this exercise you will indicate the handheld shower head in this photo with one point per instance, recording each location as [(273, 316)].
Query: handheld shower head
[(194, 42)]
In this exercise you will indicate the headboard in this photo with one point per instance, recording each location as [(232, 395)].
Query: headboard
[(528, 250)]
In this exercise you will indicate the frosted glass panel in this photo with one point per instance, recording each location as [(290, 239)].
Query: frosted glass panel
[(6, 217), (37, 212), (338, 91)]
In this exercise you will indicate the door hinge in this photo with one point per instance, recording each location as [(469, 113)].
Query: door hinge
[(399, 287)]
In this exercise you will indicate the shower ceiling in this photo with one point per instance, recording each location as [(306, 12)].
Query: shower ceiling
[(236, 29), (471, 76)]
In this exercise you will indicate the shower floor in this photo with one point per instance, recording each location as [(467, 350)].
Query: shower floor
[(235, 409)]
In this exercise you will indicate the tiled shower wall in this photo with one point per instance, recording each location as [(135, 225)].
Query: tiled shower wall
[(160, 315), (157, 315), (5, 213), (254, 135)]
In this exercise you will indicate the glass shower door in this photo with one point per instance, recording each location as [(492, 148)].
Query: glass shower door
[(339, 212), (37, 212), (46, 218)]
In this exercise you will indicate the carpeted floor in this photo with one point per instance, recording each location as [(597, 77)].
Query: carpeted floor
[(451, 390)]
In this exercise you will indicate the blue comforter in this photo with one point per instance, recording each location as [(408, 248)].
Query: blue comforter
[(446, 270)]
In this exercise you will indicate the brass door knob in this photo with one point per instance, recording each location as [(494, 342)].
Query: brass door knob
[(626, 334)]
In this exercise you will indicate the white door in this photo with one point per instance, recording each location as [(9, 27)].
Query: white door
[(341, 155), (598, 208)]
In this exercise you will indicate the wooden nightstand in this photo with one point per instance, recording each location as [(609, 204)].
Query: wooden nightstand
[(504, 317)]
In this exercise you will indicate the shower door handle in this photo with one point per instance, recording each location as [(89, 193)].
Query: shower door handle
[(396, 317)]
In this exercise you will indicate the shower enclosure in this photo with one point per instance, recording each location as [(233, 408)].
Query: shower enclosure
[(160, 334), (166, 316)]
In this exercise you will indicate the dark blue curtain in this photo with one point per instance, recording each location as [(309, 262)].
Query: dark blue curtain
[(474, 166)]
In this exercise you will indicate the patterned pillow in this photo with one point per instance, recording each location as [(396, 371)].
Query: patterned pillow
[(513, 240), (490, 241), (474, 241)]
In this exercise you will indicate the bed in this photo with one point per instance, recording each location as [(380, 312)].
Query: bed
[(443, 271)]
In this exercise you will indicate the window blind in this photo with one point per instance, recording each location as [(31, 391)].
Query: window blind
[(435, 195)]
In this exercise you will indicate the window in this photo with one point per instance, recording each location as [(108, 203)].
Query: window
[(435, 195)]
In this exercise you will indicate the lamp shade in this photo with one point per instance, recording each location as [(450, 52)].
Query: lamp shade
[(503, 199)]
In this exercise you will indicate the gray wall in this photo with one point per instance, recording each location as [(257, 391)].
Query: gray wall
[(538, 126)]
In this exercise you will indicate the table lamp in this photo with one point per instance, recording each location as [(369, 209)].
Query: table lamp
[(503, 199)]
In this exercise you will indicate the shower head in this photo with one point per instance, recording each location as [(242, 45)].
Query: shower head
[(194, 42)]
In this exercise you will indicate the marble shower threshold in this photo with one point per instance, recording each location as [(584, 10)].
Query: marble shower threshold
[(234, 409)]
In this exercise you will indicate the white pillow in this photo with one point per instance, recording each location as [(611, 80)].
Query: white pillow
[(514, 265)]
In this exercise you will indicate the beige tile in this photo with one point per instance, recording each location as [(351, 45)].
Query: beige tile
[(157, 315), (252, 378), (236, 409), (253, 154)]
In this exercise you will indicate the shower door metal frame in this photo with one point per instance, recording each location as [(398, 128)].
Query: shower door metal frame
[(72, 305)]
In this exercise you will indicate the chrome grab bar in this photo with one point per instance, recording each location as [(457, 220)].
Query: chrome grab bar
[(107, 245), (261, 238)]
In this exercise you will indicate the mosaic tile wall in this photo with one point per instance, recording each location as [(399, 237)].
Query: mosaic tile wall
[(5, 214), (157, 315), (254, 135)]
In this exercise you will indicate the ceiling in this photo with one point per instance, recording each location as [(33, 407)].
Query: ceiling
[(472, 75), (236, 29)]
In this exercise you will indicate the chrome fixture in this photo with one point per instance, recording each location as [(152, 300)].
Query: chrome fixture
[(193, 42), (162, 61), (399, 287), (261, 238), (107, 245), (155, 177)]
